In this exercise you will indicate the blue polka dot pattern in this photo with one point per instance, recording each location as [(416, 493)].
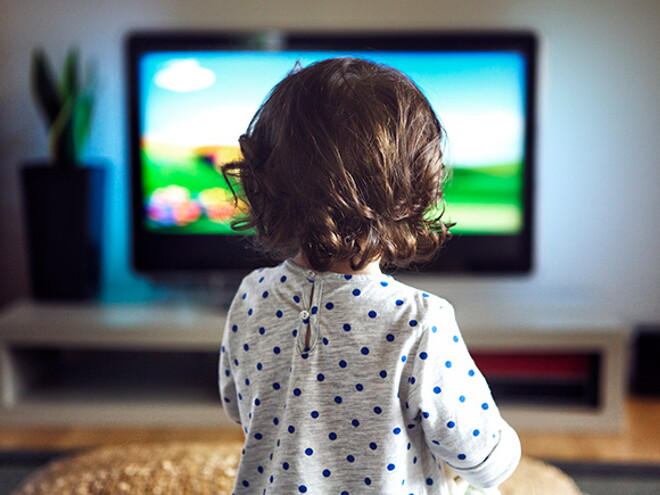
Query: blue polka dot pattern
[(390, 355)]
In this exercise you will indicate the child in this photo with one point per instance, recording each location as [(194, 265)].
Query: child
[(346, 381)]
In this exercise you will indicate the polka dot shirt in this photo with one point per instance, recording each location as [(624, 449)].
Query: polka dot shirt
[(354, 385)]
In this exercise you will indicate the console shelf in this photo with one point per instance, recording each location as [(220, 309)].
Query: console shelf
[(155, 364)]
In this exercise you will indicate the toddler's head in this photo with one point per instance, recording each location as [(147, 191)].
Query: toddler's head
[(343, 161)]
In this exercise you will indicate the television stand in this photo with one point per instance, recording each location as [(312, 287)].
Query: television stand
[(156, 364)]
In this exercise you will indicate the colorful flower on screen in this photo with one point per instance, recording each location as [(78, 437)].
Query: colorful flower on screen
[(173, 205)]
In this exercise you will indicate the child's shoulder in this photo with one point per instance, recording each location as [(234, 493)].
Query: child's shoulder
[(425, 299), (420, 307), (263, 275)]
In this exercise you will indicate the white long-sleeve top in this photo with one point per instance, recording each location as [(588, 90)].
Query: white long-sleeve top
[(359, 384)]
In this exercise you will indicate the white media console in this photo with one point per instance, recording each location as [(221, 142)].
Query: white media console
[(155, 364)]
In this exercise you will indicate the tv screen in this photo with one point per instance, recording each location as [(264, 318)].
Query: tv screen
[(192, 95)]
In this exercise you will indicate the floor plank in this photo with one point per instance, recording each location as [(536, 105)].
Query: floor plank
[(639, 442)]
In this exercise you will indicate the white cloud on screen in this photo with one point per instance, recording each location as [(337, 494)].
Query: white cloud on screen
[(183, 76)]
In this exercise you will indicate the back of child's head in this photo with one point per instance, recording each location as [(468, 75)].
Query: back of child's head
[(343, 161)]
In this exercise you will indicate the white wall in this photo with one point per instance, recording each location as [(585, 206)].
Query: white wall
[(598, 242)]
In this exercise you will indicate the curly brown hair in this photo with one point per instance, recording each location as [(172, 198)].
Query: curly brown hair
[(343, 161)]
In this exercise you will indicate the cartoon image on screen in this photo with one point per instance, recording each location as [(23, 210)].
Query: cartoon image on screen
[(195, 105)]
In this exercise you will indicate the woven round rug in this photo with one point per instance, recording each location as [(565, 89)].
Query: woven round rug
[(208, 469)]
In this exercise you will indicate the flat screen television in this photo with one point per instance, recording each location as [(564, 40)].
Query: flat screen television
[(191, 95)]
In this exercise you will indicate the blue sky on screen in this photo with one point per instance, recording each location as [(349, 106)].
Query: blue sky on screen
[(205, 99)]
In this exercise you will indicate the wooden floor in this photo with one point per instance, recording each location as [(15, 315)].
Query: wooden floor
[(638, 443)]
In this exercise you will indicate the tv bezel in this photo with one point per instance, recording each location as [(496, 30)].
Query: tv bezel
[(157, 254)]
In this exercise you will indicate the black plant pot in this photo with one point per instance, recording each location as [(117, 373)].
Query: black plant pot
[(64, 223)]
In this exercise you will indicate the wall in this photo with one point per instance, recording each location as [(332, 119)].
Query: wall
[(598, 169)]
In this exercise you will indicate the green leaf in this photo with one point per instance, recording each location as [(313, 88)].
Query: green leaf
[(67, 105), (60, 134), (44, 87), (69, 85), (82, 120)]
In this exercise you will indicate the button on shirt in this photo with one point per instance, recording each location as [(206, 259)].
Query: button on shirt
[(355, 384)]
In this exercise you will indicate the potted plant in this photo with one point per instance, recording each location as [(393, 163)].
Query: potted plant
[(63, 196)]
